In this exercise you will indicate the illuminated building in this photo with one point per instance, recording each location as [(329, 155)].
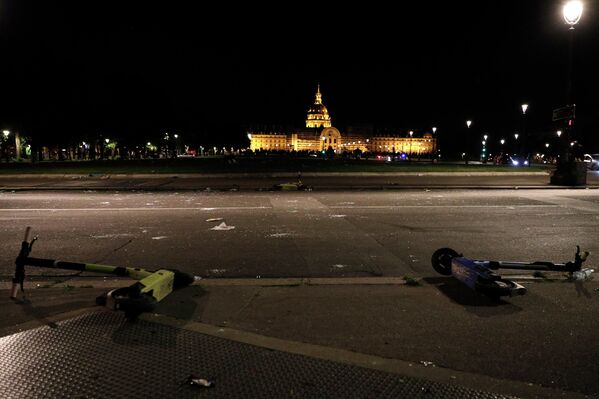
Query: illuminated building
[(320, 135)]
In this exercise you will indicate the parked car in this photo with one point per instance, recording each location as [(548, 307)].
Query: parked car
[(592, 161)]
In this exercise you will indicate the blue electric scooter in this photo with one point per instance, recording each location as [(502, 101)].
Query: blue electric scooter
[(480, 276)]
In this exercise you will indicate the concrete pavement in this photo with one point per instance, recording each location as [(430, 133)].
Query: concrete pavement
[(438, 330)]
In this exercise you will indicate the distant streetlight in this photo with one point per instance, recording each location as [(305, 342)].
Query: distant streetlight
[(468, 123), (559, 133), (484, 142), (502, 141), (486, 136), (149, 144), (516, 136), (524, 108), (434, 130), (107, 141), (176, 136), (5, 133), (546, 145)]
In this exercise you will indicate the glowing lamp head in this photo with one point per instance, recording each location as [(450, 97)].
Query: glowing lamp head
[(5, 133), (434, 130), (572, 12), (468, 123), (516, 135), (559, 133), (502, 141), (524, 108)]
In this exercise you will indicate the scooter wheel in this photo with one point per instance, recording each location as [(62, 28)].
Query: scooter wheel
[(441, 260)]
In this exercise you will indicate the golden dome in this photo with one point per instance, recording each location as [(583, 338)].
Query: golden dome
[(318, 115)]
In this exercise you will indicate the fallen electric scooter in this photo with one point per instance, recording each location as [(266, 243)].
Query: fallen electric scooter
[(143, 296), (479, 275)]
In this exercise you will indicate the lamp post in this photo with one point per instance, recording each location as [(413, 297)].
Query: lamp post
[(468, 123), (434, 158), (411, 134), (572, 12), (524, 135), (568, 170)]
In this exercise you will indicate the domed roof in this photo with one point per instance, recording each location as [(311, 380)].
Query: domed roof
[(318, 109), (318, 114)]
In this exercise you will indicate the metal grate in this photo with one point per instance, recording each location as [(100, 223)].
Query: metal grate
[(101, 355)]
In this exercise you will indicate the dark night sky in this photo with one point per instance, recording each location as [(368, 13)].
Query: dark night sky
[(78, 69)]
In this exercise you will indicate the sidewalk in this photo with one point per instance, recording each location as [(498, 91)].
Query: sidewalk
[(538, 345), (261, 181)]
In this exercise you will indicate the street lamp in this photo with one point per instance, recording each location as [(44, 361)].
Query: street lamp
[(524, 108), (559, 133), (434, 143), (5, 133), (516, 136), (572, 12), (502, 141), (568, 170), (468, 144)]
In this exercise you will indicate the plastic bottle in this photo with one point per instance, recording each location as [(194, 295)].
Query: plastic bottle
[(583, 274)]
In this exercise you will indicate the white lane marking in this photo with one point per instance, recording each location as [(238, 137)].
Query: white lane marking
[(117, 235), (224, 208), (440, 206), (279, 235), (159, 238)]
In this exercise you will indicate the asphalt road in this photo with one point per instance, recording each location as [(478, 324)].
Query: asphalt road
[(291, 234)]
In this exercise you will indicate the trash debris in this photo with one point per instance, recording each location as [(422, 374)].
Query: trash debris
[(338, 216), (426, 364), (223, 226), (583, 274), (201, 382), (159, 238), (214, 219), (278, 235), (339, 266)]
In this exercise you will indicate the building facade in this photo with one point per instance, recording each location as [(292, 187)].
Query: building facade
[(320, 135)]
